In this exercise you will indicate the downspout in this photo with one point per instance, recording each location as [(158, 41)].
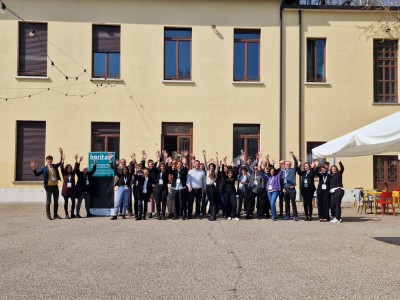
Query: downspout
[(300, 85), (281, 156)]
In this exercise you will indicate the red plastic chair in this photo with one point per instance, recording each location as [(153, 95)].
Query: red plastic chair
[(386, 199)]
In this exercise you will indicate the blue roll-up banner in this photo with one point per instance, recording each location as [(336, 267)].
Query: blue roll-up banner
[(102, 198)]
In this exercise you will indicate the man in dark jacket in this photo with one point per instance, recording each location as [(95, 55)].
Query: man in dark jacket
[(84, 187), (51, 176)]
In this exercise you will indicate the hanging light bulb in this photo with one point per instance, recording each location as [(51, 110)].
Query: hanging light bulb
[(3, 8), (32, 32)]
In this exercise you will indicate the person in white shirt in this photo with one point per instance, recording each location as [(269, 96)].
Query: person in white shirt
[(196, 183)]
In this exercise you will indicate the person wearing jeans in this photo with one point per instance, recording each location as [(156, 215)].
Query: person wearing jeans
[(288, 176), (273, 187)]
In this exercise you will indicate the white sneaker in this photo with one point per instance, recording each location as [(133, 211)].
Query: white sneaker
[(334, 220), (236, 219), (229, 218), (340, 220)]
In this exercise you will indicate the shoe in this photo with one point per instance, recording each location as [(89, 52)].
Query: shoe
[(159, 218), (113, 217), (249, 217), (120, 214), (57, 217), (229, 218), (334, 220), (295, 219), (174, 218), (89, 215), (236, 219), (310, 218), (138, 218), (307, 219), (287, 218), (189, 217), (144, 218), (67, 216), (183, 218), (123, 217), (150, 215), (130, 214), (49, 217), (273, 219), (73, 216), (78, 216), (340, 220), (321, 220), (164, 218)]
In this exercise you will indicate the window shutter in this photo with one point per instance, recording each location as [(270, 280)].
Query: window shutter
[(32, 50), (106, 38)]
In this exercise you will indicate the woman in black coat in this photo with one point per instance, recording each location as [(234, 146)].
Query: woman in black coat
[(307, 188)]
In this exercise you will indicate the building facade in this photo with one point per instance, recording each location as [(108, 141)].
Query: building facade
[(189, 75)]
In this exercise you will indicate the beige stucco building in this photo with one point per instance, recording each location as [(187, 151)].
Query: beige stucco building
[(187, 75)]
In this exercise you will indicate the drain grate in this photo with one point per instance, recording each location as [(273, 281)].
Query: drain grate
[(389, 240)]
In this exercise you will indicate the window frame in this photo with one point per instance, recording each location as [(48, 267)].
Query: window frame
[(315, 79), (246, 57), (246, 137), (106, 71), (177, 51), (377, 66)]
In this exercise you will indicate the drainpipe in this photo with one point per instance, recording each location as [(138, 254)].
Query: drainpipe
[(281, 155), (300, 86)]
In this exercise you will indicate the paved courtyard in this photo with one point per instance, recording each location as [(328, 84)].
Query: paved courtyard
[(98, 258)]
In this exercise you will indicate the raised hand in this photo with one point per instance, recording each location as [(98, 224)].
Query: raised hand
[(165, 153), (33, 165), (63, 157), (61, 150), (110, 156), (184, 160), (94, 161), (76, 157), (133, 155), (81, 158), (117, 162)]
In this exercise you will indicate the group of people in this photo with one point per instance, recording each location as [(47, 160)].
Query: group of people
[(77, 185), (192, 189)]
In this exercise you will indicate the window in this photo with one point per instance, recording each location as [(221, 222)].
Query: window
[(177, 138), (106, 51), (105, 137), (385, 71), (31, 140), (316, 61), (310, 146), (386, 170), (246, 65), (177, 53), (32, 55), (247, 138)]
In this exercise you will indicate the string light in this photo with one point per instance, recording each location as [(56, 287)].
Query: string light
[(33, 33)]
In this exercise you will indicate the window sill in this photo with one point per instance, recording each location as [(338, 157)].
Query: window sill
[(385, 103), (106, 79), (33, 77), (317, 83), (28, 182), (248, 83), (178, 81)]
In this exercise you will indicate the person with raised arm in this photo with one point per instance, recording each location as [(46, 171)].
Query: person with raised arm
[(145, 189), (179, 189), (323, 195), (69, 189), (307, 187), (84, 187), (196, 183), (211, 186), (124, 188), (337, 191), (160, 181), (51, 177), (288, 176)]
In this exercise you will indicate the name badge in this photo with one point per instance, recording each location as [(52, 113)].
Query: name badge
[(69, 184), (240, 185), (160, 181), (87, 182), (255, 182), (305, 181), (323, 186), (137, 182), (284, 181), (270, 187), (53, 178), (178, 181), (144, 191)]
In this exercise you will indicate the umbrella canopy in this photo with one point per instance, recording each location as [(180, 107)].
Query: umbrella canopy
[(378, 137)]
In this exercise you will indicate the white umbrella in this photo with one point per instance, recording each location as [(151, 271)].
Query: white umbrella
[(378, 137)]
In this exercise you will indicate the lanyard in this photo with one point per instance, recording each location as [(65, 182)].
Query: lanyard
[(125, 180), (69, 178), (324, 178)]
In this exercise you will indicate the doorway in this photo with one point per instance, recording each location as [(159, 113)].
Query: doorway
[(177, 138), (386, 170)]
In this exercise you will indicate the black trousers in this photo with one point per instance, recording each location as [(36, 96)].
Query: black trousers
[(260, 202), (231, 204), (135, 197), (52, 190), (281, 203), (243, 198), (142, 205), (324, 199), (290, 196), (66, 205), (308, 195), (336, 198), (180, 200), (196, 194), (161, 193), (212, 198)]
